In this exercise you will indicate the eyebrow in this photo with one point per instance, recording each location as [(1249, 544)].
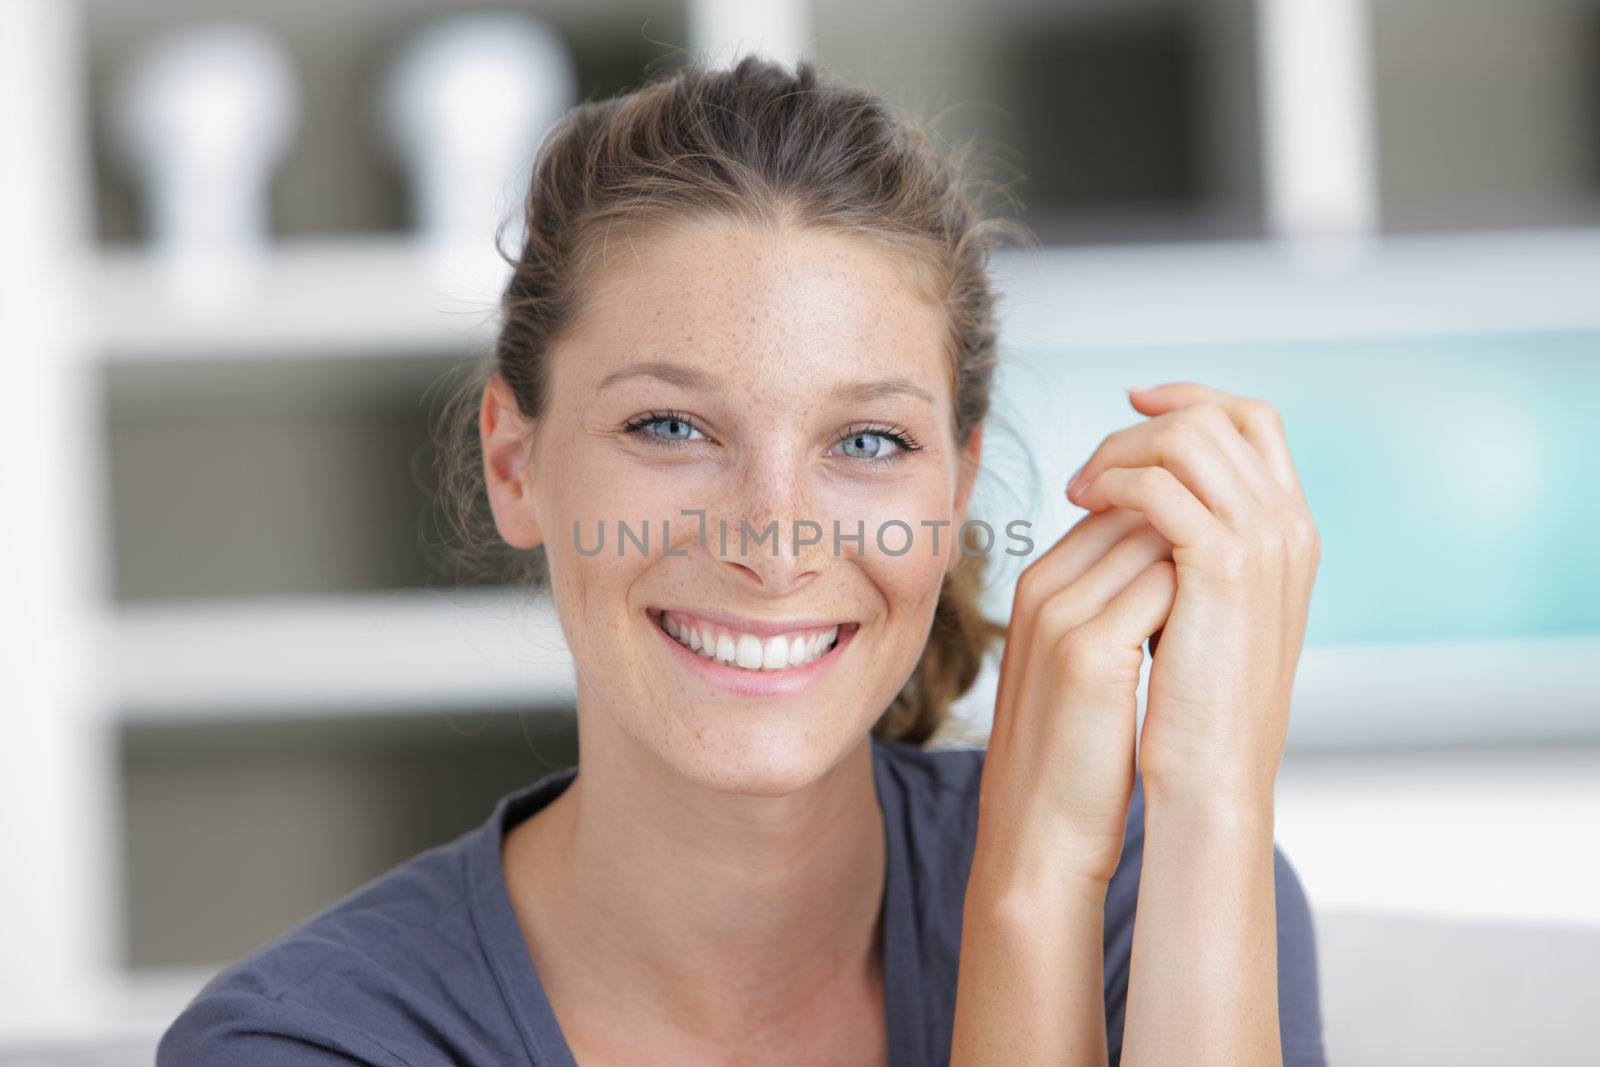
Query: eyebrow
[(861, 392), (662, 370), (866, 391)]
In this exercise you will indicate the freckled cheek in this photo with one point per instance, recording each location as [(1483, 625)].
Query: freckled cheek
[(899, 555), (590, 580), (599, 481), (581, 498)]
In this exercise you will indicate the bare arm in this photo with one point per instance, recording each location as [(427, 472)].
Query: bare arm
[(1030, 986), (1197, 529), (1203, 977), (1212, 472), (1054, 798)]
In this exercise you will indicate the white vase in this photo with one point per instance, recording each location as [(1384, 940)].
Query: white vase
[(204, 116), (465, 105)]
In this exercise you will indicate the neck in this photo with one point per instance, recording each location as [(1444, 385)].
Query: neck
[(732, 912)]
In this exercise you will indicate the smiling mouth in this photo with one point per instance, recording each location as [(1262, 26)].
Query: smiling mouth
[(735, 648)]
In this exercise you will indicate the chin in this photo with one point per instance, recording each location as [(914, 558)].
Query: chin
[(768, 754)]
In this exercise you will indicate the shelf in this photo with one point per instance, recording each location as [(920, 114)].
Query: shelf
[(1448, 693), (1419, 697), (1249, 291), (391, 297), (424, 649), (416, 649), (349, 297)]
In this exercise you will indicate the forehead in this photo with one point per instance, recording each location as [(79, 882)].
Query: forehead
[(833, 305)]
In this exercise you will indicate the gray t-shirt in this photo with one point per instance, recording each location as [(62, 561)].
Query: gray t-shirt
[(425, 965)]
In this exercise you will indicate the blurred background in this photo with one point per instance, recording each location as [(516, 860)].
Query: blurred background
[(241, 242)]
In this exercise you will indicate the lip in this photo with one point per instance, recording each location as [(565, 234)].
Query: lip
[(754, 627), (748, 683)]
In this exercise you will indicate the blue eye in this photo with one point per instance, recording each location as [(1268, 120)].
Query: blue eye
[(868, 446), (667, 427), (876, 444)]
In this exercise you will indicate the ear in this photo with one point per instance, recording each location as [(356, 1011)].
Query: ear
[(969, 457), (507, 439)]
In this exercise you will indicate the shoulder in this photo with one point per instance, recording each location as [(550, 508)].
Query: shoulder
[(239, 1028), (364, 981)]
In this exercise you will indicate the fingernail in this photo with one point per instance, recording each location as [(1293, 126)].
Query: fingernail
[(1139, 388), (1072, 482)]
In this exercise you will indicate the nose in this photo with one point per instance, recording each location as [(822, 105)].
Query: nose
[(761, 569), (773, 542)]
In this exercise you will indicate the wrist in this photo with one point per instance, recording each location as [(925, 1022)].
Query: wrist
[(1039, 880), (1222, 794), (1210, 811), (1032, 913)]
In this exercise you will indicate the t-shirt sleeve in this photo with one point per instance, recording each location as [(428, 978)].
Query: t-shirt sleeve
[(241, 1029), (1299, 994), (1299, 1004)]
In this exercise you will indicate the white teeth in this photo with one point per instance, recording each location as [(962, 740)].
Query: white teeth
[(747, 650)]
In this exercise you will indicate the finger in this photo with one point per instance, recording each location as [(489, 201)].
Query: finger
[(1087, 596), (1073, 602), (1259, 422), (1141, 608), (1200, 445), (1098, 724), (1080, 600), (1074, 553), (1156, 492)]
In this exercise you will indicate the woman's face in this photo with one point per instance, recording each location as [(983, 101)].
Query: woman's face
[(790, 377)]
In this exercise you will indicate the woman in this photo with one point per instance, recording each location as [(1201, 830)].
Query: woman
[(750, 330)]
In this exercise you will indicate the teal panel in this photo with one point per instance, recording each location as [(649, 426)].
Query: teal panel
[(1455, 481)]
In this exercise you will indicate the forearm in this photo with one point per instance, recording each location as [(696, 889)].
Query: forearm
[(1029, 984), (1202, 987)]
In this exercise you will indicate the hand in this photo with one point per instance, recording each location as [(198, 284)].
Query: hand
[(1058, 775), (1211, 471)]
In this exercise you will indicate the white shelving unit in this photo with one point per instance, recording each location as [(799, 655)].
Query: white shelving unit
[(344, 297), (85, 664), (317, 655), (55, 774)]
